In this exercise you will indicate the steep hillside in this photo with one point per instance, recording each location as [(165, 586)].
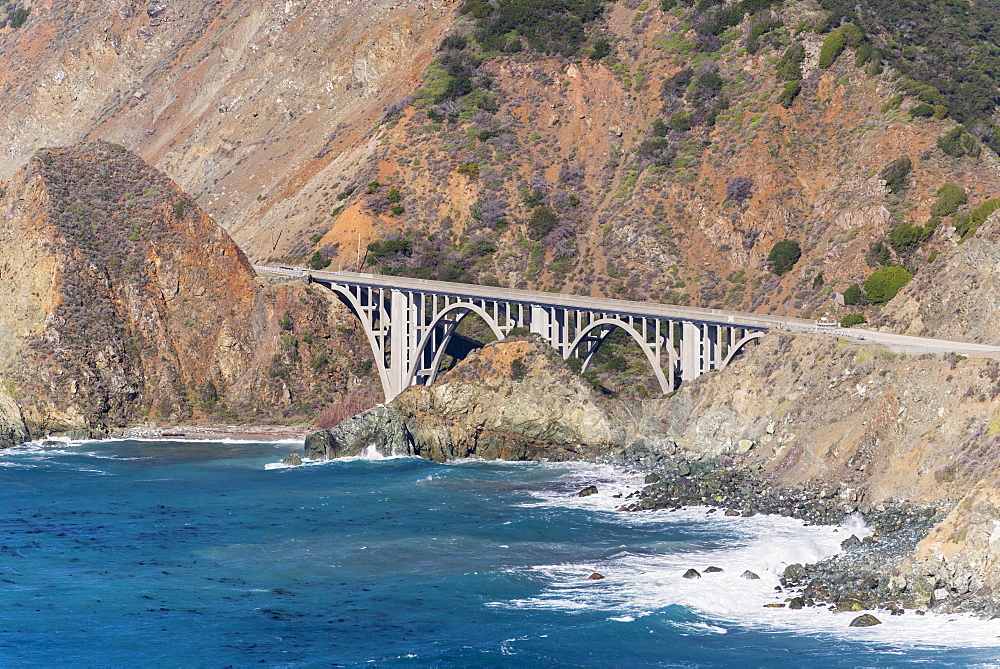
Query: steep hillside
[(125, 302), (956, 297), (666, 169), (654, 151), (251, 107)]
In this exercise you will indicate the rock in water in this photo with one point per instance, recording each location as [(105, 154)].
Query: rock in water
[(713, 570), (596, 576), (293, 459), (750, 576), (692, 573), (381, 426), (866, 620), (588, 491)]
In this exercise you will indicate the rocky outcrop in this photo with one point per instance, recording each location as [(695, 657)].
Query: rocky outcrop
[(956, 296), (382, 428), (514, 400), (125, 302)]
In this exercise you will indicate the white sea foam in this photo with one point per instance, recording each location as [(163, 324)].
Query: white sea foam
[(637, 585), (370, 454)]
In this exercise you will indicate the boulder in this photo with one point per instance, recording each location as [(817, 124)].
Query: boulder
[(382, 427), (596, 576), (865, 620), (713, 570), (692, 573), (750, 576), (588, 491), (293, 459)]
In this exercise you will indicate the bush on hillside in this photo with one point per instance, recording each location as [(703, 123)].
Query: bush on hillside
[(784, 255), (832, 47), (894, 174), (850, 320), (957, 143), (884, 283), (854, 295), (968, 226), (543, 220), (950, 198), (789, 93), (739, 189)]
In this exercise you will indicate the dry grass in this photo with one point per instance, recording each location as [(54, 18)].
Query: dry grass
[(351, 403)]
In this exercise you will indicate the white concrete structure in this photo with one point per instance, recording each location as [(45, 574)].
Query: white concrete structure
[(409, 323)]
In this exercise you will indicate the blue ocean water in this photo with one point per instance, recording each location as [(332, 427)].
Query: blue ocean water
[(195, 554)]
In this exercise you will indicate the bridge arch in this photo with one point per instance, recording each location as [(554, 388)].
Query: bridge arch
[(369, 328), (610, 323), (448, 331), (738, 347)]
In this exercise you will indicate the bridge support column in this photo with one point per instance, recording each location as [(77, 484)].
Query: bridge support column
[(541, 322), (690, 351), (402, 336)]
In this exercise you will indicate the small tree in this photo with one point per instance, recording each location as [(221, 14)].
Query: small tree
[(950, 198), (854, 295), (833, 45), (850, 320), (894, 174), (883, 284), (543, 220), (784, 255)]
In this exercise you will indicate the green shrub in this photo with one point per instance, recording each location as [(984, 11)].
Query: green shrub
[(879, 254), (894, 174), (372, 187), (789, 93), (389, 247), (818, 280), (957, 143), (789, 66), (833, 45), (967, 226), (904, 238), (18, 17), (784, 255), (394, 195), (316, 261), (543, 220), (950, 198), (854, 295), (470, 170), (922, 110), (396, 209), (602, 48), (893, 103), (850, 320), (884, 283), (853, 37)]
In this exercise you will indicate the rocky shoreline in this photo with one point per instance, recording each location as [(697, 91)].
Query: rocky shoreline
[(870, 574)]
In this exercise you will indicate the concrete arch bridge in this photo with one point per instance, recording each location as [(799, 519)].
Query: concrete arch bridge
[(409, 323)]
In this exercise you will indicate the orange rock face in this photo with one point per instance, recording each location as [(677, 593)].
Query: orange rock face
[(126, 301)]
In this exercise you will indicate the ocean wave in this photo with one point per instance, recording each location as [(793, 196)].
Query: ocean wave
[(635, 584)]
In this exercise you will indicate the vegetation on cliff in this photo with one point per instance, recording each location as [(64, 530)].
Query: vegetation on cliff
[(136, 305)]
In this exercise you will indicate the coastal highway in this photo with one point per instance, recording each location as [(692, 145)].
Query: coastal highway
[(894, 342)]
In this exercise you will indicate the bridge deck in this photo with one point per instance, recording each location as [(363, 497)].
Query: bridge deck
[(895, 342), (562, 300)]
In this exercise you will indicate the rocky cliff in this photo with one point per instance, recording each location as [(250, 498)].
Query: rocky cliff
[(512, 400), (125, 302)]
